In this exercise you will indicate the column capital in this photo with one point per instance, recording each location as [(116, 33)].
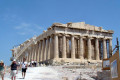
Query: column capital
[(47, 37), (81, 36), (56, 34), (104, 39), (63, 34), (72, 35), (89, 37), (110, 38)]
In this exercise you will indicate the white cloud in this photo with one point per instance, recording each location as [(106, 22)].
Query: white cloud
[(28, 29)]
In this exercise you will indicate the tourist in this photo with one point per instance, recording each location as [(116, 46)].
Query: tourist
[(2, 69), (24, 67), (14, 70), (35, 63)]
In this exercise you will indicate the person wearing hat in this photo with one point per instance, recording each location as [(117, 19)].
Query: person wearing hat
[(2, 69), (14, 70)]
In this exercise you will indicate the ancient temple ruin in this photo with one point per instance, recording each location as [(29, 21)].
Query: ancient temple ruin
[(71, 42)]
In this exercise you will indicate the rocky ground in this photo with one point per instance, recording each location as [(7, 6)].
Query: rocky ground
[(59, 73)]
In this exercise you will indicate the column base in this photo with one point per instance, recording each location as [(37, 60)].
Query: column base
[(62, 61)]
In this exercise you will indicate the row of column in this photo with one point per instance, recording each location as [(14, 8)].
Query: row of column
[(81, 54), (48, 49)]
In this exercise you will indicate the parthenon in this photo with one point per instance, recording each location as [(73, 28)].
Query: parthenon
[(70, 42)]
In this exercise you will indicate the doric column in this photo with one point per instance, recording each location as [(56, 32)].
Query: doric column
[(72, 48), (21, 58), (37, 52), (67, 47), (32, 52), (48, 48), (110, 47), (89, 48), (52, 47), (97, 49), (56, 47), (104, 49), (41, 51), (44, 49), (28, 55), (64, 47), (81, 56)]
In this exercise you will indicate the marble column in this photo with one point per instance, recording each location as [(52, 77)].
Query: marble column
[(56, 56), (67, 48), (34, 52), (45, 45), (37, 52), (104, 49), (28, 55), (48, 48), (72, 48), (52, 48), (43, 49), (33, 48), (64, 47), (41, 52), (89, 48), (110, 47), (81, 55), (97, 49)]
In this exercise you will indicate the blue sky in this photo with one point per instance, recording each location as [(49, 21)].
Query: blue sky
[(22, 19)]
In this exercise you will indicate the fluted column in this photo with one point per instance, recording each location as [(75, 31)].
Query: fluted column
[(97, 49), (110, 47), (37, 52), (64, 47), (56, 56), (81, 55), (41, 51), (89, 48), (48, 48), (33, 52), (67, 48), (104, 49), (28, 55), (32, 55), (72, 48), (44, 50)]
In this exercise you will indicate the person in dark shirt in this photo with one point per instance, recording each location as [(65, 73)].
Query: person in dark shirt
[(2, 69), (14, 70)]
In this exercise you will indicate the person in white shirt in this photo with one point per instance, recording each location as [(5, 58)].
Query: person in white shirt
[(32, 63), (24, 68)]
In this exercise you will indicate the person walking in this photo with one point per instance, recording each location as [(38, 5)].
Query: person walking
[(2, 69), (14, 70), (24, 68)]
